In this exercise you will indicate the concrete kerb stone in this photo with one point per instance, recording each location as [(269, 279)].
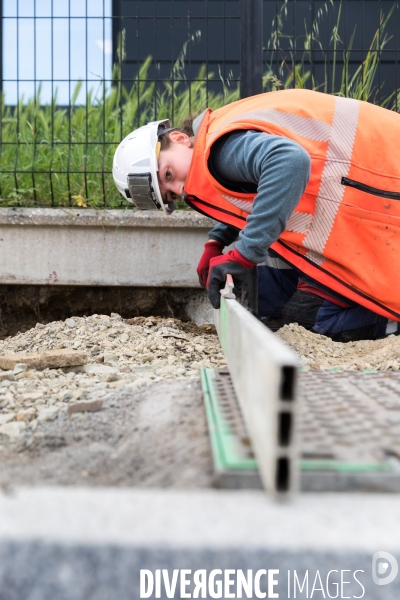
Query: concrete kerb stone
[(101, 248), (61, 543), (117, 218)]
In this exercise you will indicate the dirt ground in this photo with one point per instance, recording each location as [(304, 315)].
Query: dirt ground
[(154, 437)]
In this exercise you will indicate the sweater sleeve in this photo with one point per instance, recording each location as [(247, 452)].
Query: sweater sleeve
[(279, 167), (226, 234)]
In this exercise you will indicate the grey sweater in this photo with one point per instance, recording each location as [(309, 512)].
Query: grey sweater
[(279, 170)]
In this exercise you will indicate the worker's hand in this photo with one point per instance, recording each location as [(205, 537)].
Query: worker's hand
[(232, 262), (212, 248)]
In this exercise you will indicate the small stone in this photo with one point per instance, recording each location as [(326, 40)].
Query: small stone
[(147, 358), (117, 384), (6, 383), (124, 338), (109, 357), (101, 370), (26, 415), (85, 406), (70, 323), (105, 372), (48, 414), (32, 396), (12, 430), (139, 383), (128, 352), (7, 418), (32, 374), (77, 394), (20, 368), (110, 377), (7, 376)]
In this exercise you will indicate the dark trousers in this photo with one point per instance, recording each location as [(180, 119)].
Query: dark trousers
[(280, 303)]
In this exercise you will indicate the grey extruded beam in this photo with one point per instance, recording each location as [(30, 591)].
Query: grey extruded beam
[(263, 372)]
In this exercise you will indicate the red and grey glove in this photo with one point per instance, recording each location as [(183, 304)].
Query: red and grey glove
[(212, 248), (232, 262)]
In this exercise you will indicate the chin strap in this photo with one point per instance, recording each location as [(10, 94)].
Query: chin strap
[(141, 192)]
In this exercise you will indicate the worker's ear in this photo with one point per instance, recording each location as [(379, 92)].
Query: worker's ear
[(178, 137)]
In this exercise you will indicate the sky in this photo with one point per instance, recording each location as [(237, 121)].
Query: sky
[(82, 48)]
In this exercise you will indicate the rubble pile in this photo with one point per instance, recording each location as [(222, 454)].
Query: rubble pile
[(320, 352), (71, 365)]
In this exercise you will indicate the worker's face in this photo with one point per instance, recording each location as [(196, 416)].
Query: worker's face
[(173, 166)]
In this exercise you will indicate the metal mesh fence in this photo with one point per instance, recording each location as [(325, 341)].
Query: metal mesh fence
[(78, 75), (347, 47)]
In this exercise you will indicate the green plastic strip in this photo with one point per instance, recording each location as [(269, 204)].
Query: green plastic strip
[(223, 442), (342, 467), (225, 449)]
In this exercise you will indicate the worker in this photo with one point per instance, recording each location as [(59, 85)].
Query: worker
[(307, 185)]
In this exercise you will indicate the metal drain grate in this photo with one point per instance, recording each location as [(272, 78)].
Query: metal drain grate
[(347, 427), (349, 416), (231, 414)]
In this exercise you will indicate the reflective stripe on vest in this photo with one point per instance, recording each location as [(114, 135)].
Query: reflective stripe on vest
[(337, 165), (344, 235)]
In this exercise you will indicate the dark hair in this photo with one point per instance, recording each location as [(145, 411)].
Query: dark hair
[(186, 127)]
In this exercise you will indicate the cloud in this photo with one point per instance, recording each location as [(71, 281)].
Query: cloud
[(105, 46)]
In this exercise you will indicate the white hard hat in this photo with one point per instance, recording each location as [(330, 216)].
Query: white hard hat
[(135, 167)]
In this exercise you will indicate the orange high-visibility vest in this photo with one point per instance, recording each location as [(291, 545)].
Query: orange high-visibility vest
[(345, 231)]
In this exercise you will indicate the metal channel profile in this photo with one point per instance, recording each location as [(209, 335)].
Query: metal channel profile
[(263, 372)]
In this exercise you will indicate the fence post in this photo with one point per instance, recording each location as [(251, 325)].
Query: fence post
[(251, 70), (1, 81), (1, 47), (251, 53), (116, 28)]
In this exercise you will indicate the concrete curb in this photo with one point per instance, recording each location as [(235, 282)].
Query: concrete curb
[(60, 217), (70, 543), (101, 248)]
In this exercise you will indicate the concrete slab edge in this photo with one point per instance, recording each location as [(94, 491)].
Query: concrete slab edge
[(74, 543)]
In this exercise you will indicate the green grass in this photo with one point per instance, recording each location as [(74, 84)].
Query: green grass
[(360, 84), (54, 156), (48, 142)]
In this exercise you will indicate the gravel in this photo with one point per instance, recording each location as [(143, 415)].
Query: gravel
[(321, 353), (129, 354)]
